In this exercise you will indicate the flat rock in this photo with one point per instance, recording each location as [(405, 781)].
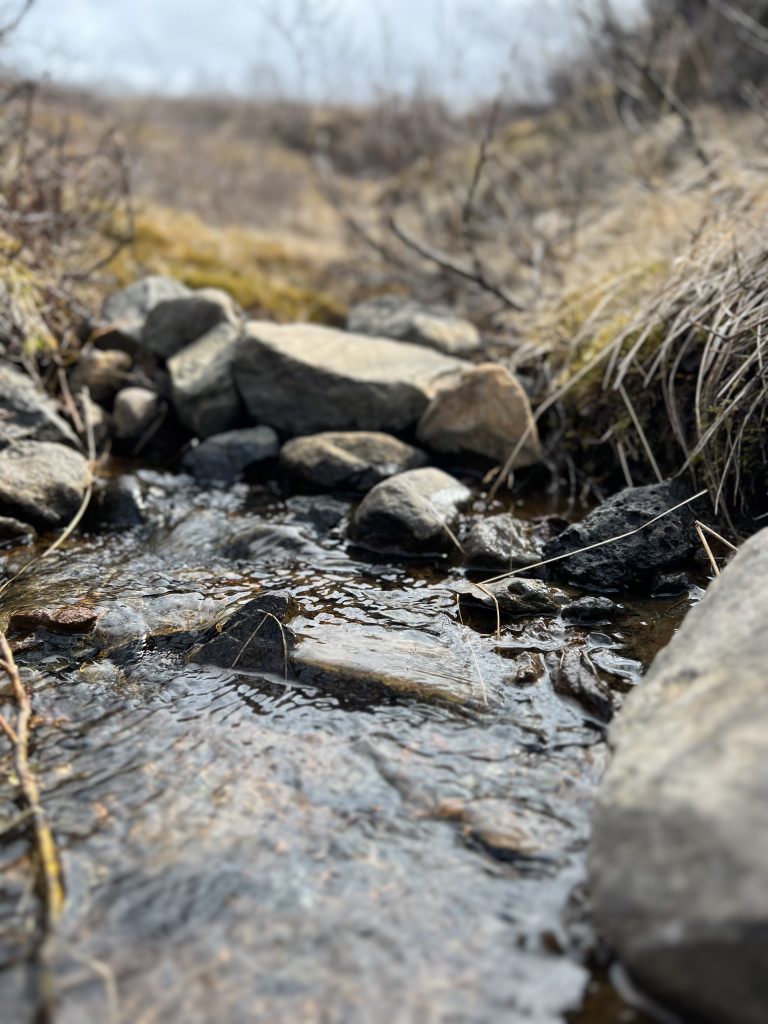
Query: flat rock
[(27, 413), (404, 320), (41, 483), (126, 310), (679, 854), (633, 561), (174, 323), (499, 542), (413, 511), (347, 460), (302, 378), (203, 385), (224, 458), (484, 412)]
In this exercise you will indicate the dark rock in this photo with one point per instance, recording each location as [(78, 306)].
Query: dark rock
[(41, 483), (575, 678), (485, 411), (529, 668), (173, 324), (347, 460), (14, 531), (28, 414), (499, 542), (321, 511), (125, 311), (261, 541), (413, 511), (301, 378), (679, 853), (436, 327), (255, 637), (103, 371), (672, 584), (204, 392), (514, 596), (224, 458), (589, 610), (117, 504), (136, 410), (635, 560)]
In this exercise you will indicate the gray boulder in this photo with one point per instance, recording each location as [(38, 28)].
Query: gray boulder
[(413, 511), (302, 378), (136, 409), (28, 414), (436, 327), (635, 560), (203, 384), (125, 311), (500, 542), (347, 460), (679, 855), (41, 483), (484, 412), (223, 458), (175, 323)]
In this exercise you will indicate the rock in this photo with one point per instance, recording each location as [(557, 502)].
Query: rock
[(347, 460), (514, 596), (634, 561), (512, 833), (136, 410), (413, 511), (302, 378), (28, 414), (224, 458), (41, 483), (434, 326), (529, 668), (118, 504), (269, 543), (589, 610), (103, 372), (125, 311), (71, 619), (484, 412), (13, 531), (255, 637), (679, 854), (175, 323), (203, 385), (499, 542), (575, 678)]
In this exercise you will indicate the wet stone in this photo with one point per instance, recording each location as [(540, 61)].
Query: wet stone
[(349, 460), (117, 504), (529, 669), (225, 458), (589, 610), (41, 483), (68, 619), (13, 531), (574, 678), (499, 542), (514, 596), (256, 636)]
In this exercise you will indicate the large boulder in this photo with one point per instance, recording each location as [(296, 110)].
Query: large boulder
[(173, 324), (635, 560), (413, 511), (125, 311), (679, 855), (223, 458), (27, 413), (302, 378), (348, 460), (203, 385), (484, 412), (41, 483), (436, 327)]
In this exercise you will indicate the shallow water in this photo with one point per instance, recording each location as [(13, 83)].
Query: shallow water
[(393, 831)]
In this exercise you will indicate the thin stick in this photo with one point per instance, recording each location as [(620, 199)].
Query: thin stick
[(717, 536), (708, 549), (641, 433)]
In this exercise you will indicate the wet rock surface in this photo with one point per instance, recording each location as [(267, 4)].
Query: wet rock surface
[(224, 458), (347, 460), (688, 787), (632, 561), (436, 327), (413, 511), (41, 483), (301, 378), (500, 542)]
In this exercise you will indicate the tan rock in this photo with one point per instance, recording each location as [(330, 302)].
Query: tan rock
[(486, 412)]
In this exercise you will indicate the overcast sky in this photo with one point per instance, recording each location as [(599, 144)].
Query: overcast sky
[(339, 49)]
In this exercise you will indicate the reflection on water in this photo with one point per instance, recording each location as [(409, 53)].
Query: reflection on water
[(309, 846)]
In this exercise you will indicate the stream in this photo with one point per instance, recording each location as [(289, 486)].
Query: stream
[(391, 829)]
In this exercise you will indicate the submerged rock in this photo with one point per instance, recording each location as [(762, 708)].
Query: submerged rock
[(254, 637), (679, 855), (125, 311), (174, 323), (28, 414), (224, 458), (413, 511), (576, 678), (117, 504), (588, 610), (499, 542), (514, 596), (436, 327), (347, 460), (203, 385), (42, 483), (484, 412), (635, 560), (302, 378)]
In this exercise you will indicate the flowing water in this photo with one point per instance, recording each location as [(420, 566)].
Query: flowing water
[(393, 829)]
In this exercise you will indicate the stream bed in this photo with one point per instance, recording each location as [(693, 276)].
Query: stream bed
[(390, 829)]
